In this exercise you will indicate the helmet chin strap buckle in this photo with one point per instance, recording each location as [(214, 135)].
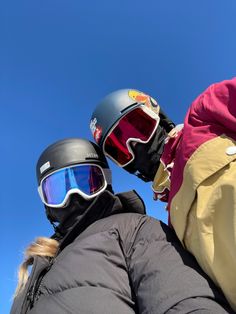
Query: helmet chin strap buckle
[(131, 169), (141, 176)]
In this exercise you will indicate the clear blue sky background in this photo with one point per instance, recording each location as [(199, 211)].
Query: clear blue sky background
[(59, 58)]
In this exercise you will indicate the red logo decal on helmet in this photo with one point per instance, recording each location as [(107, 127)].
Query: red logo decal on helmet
[(96, 130), (97, 134)]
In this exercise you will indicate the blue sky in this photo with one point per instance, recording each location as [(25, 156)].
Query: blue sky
[(59, 58)]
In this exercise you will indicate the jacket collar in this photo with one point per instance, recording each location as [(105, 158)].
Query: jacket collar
[(106, 204)]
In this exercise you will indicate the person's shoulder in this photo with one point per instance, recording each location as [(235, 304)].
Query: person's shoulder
[(128, 219), (125, 223), (133, 223)]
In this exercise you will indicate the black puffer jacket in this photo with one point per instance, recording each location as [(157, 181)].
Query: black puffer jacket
[(124, 263)]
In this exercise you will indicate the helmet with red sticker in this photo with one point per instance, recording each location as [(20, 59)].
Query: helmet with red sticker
[(117, 104)]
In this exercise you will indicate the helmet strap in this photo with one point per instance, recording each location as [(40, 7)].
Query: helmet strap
[(165, 122), (141, 176)]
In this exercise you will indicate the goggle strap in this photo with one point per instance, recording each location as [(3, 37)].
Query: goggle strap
[(108, 175)]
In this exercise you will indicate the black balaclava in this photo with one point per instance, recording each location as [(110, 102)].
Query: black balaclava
[(66, 217), (147, 156)]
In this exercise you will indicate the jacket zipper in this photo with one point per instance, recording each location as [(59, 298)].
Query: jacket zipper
[(36, 288), (28, 295)]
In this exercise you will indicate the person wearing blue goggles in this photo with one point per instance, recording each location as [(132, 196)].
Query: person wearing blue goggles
[(88, 180), (106, 255), (71, 168)]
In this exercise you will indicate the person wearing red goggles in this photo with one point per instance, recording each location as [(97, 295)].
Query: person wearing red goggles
[(132, 132), (192, 167)]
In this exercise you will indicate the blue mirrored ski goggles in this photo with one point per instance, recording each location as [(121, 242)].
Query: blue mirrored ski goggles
[(88, 180)]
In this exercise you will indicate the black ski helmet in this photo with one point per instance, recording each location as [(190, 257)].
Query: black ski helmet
[(115, 105), (67, 152)]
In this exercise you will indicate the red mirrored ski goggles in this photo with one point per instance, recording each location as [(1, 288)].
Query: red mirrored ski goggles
[(137, 125)]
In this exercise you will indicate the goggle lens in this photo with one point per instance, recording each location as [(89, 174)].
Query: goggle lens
[(88, 179), (136, 124)]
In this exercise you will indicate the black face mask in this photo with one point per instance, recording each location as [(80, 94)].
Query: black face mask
[(68, 215), (147, 156), (80, 212)]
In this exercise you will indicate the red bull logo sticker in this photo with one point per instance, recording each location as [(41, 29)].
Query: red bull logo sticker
[(147, 100), (96, 130)]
